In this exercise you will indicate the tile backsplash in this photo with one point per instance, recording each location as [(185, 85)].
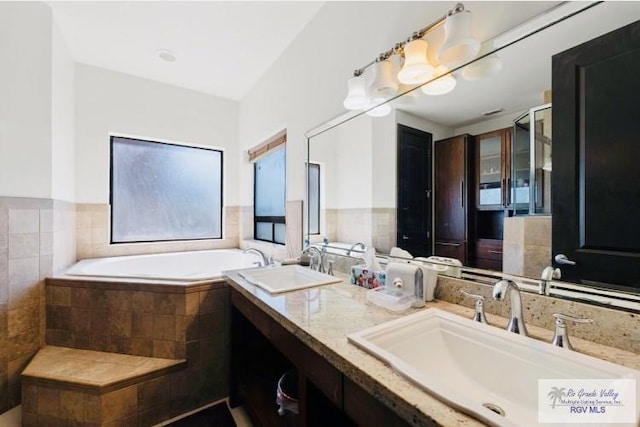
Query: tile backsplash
[(92, 228), (614, 328)]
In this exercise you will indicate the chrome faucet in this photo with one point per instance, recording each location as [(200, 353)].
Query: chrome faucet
[(266, 259), (516, 321), (560, 336), (317, 260), (362, 246), (548, 274), (479, 315)]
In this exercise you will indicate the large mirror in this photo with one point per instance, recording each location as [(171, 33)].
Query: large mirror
[(361, 185)]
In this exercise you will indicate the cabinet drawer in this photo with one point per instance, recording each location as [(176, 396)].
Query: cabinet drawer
[(451, 249), (489, 249)]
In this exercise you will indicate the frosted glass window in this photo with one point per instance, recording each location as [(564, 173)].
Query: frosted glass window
[(314, 198), (264, 231), (269, 196), (162, 192), (279, 233)]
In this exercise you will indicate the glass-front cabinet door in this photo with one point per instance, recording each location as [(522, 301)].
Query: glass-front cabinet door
[(531, 160), (521, 165), (493, 169)]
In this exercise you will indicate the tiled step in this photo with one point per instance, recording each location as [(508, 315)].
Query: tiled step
[(73, 387)]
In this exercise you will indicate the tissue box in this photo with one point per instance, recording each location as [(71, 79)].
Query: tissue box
[(368, 279)]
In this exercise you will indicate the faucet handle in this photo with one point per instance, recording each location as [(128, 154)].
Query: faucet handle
[(560, 336), (330, 262), (478, 316)]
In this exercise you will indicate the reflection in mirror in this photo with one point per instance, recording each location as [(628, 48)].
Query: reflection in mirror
[(358, 192)]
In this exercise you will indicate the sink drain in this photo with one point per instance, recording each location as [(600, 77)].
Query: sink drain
[(495, 408)]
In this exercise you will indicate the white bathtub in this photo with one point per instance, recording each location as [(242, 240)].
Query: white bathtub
[(175, 266)]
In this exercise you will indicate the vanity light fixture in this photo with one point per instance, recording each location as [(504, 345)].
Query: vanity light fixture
[(445, 82), (483, 67), (416, 69), (379, 111), (459, 47), (357, 98), (384, 84)]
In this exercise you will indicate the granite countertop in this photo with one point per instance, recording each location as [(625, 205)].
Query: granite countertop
[(322, 317)]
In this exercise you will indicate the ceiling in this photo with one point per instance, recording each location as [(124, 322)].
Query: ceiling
[(221, 47)]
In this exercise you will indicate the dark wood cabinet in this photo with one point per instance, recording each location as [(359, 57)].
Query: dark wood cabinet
[(493, 198), (452, 196), (595, 185), (263, 350)]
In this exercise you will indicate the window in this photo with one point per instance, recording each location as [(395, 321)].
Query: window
[(269, 196), (163, 192), (314, 198)]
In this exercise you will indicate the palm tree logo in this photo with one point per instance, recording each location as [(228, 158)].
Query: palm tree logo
[(555, 394)]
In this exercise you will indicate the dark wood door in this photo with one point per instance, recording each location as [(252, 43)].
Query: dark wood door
[(414, 191), (451, 202), (596, 159)]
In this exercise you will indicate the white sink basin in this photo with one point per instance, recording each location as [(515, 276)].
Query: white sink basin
[(286, 278), (471, 366)]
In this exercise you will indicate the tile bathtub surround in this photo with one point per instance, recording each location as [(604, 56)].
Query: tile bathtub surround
[(614, 328), (92, 235), (35, 236), (170, 320)]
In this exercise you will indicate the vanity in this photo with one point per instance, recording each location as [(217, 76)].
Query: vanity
[(339, 383)]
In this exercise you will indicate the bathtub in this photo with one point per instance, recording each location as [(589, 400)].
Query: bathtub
[(176, 266)]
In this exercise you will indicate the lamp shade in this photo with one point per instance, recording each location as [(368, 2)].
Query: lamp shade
[(381, 110), (445, 83), (357, 94), (416, 68), (410, 96), (459, 45), (384, 84), (482, 68)]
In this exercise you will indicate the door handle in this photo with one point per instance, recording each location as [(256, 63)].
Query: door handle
[(405, 237), (563, 260), (462, 192)]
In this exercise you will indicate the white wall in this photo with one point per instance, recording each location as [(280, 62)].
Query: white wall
[(62, 119), (25, 99), (306, 85), (110, 102)]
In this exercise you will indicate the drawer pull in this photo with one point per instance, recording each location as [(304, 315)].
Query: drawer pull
[(495, 252), (448, 244)]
